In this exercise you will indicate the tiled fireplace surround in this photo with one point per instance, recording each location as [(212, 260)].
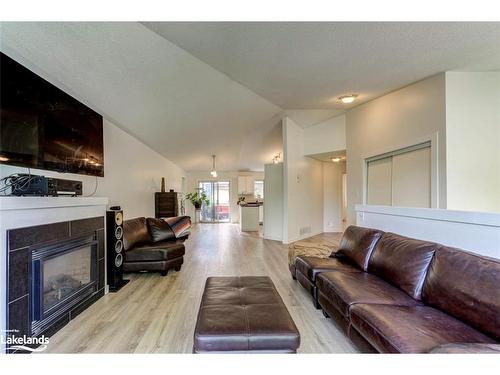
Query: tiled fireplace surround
[(46, 221), (20, 242)]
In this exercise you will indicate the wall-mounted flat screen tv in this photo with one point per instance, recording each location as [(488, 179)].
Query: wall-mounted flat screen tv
[(43, 127)]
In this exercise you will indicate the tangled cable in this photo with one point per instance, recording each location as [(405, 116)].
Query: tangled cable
[(16, 184)]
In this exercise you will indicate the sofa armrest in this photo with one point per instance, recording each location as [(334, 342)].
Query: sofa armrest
[(466, 348)]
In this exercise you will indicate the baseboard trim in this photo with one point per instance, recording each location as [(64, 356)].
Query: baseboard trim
[(272, 238), (308, 235), (333, 230)]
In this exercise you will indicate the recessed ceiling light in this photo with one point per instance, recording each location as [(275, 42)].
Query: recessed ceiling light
[(348, 99), (336, 159)]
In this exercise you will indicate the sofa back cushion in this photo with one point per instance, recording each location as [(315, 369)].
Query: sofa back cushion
[(402, 261), (135, 232), (180, 225), (357, 245), (159, 230), (466, 286)]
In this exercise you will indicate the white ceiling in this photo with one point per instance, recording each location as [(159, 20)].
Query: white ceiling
[(173, 102), (226, 89), (307, 64), (310, 117)]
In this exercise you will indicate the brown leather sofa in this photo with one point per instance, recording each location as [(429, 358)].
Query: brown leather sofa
[(394, 294), (151, 245), (359, 241)]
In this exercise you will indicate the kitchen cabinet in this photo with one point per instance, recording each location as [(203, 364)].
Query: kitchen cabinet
[(249, 218), (245, 185)]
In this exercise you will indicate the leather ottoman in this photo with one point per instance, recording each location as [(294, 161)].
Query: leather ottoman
[(244, 315)]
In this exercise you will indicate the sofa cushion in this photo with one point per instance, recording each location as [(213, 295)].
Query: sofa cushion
[(410, 329), (357, 244), (159, 230), (466, 286), (180, 225), (135, 232), (312, 266), (344, 289), (402, 262), (155, 252)]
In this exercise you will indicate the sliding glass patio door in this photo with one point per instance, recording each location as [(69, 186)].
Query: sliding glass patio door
[(218, 210)]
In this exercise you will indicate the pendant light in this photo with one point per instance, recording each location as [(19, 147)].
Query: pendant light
[(214, 171)]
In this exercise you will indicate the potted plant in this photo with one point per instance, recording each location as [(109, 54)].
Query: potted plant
[(197, 199)]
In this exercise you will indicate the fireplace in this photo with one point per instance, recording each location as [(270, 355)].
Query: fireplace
[(63, 275), (54, 272)]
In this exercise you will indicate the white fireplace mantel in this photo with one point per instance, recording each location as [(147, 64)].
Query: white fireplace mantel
[(30, 203), (19, 212)]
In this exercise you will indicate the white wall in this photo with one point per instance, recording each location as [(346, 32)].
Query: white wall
[(192, 179), (132, 173), (411, 115), (326, 136), (477, 232), (473, 141), (332, 196), (303, 187), (273, 202)]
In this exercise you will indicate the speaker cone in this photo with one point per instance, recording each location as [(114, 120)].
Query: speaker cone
[(118, 233), (118, 246), (118, 218), (118, 260)]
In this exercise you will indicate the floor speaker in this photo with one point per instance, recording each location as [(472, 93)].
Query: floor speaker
[(114, 241)]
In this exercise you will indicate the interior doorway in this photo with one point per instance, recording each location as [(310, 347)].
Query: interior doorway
[(218, 210)]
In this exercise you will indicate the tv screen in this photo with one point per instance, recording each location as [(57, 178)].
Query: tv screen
[(43, 127)]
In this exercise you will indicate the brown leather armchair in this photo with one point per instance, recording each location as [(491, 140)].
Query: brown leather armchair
[(154, 245)]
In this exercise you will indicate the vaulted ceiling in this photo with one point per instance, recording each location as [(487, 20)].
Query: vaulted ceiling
[(310, 64), (189, 90)]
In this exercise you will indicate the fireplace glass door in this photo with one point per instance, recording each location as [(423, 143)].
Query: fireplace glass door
[(65, 274)]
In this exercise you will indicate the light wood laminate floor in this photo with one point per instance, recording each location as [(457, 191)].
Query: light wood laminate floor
[(155, 314)]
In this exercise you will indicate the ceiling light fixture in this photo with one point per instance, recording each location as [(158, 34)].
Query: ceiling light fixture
[(214, 171), (348, 99), (337, 159)]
